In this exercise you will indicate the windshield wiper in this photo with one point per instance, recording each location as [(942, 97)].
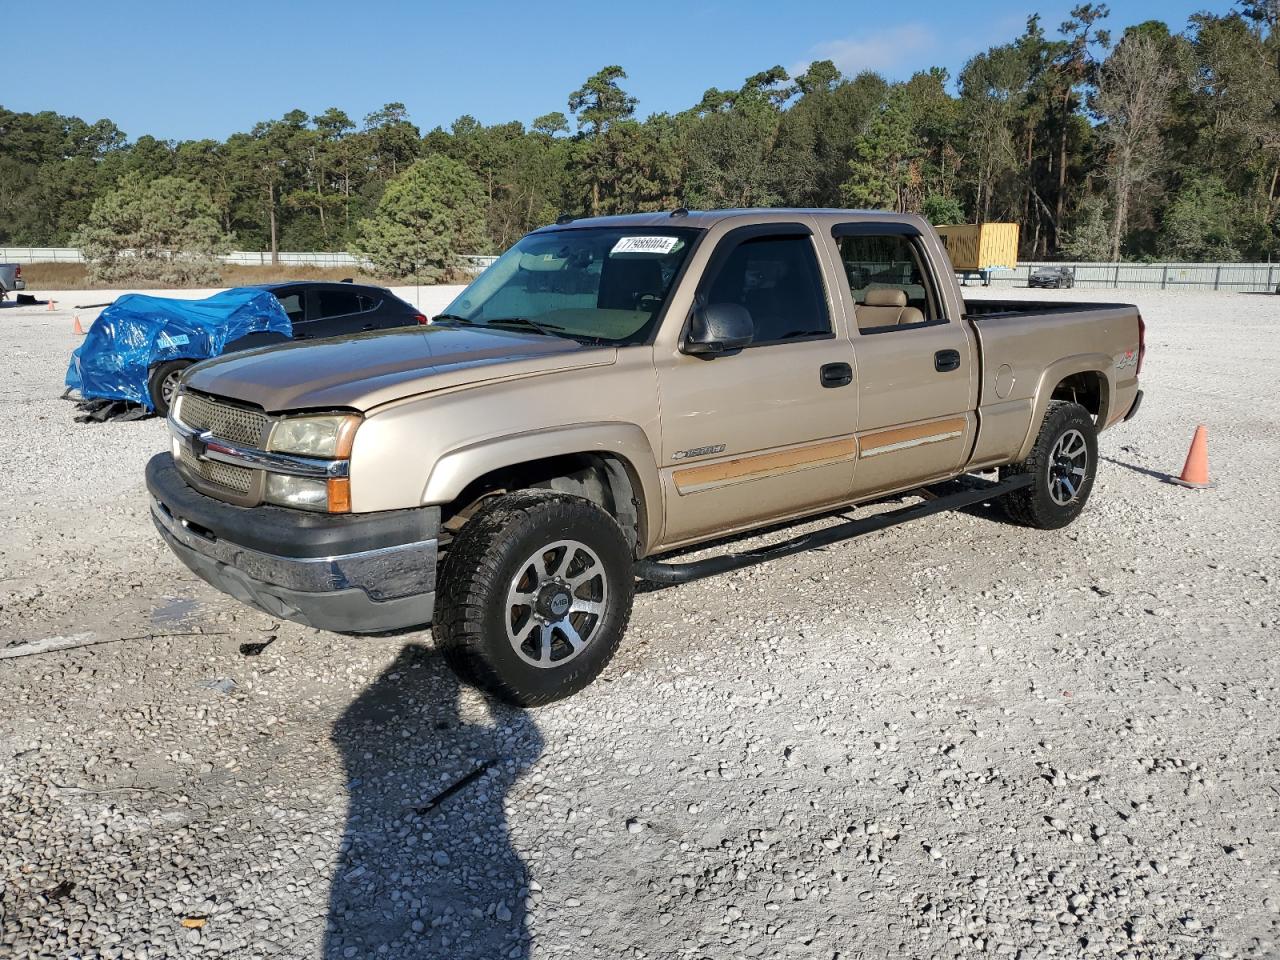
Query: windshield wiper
[(546, 329), (543, 328)]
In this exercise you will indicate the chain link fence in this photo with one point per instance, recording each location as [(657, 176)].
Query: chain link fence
[(249, 258), (1237, 277)]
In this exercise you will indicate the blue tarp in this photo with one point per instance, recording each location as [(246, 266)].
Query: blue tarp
[(138, 331)]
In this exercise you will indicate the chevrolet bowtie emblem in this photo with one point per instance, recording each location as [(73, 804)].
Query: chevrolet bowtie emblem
[(198, 443)]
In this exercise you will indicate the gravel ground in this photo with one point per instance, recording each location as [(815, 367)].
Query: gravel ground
[(952, 738)]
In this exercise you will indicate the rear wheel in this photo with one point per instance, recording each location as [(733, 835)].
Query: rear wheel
[(162, 384), (535, 594), (1062, 465)]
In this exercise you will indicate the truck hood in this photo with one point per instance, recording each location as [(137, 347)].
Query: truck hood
[(367, 370)]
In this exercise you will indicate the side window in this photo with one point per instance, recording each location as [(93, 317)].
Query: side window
[(367, 302), (336, 303), (778, 281), (888, 281), (292, 304)]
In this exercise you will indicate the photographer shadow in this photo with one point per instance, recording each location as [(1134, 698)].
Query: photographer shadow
[(426, 866)]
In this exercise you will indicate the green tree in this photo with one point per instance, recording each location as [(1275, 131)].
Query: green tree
[(267, 165), (1132, 98), (392, 142), (164, 231), (1043, 131), (939, 208), (1088, 237), (429, 215), (1202, 222), (206, 162), (993, 91), (817, 137), (729, 143), (600, 102), (1074, 65), (884, 169), (599, 105)]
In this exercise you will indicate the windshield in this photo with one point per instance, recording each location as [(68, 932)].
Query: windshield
[(604, 284)]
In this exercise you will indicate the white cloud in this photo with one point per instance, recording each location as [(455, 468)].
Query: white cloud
[(896, 52)]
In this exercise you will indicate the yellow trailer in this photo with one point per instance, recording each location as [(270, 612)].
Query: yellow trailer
[(978, 249)]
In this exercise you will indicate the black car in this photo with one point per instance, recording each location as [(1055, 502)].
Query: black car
[(317, 309), (1055, 277), (322, 309)]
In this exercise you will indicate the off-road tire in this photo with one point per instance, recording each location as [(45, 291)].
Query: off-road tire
[(1035, 506), (471, 628), (155, 383)]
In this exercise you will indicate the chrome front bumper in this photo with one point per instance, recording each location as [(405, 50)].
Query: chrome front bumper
[(388, 587)]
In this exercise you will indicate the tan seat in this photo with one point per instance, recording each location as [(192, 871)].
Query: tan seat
[(886, 307)]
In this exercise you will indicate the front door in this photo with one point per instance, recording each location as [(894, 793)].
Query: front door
[(763, 433), (916, 366)]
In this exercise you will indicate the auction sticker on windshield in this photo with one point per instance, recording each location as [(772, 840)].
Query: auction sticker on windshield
[(659, 245)]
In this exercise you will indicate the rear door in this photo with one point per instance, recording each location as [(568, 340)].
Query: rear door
[(389, 310), (916, 365), (757, 435), (335, 310)]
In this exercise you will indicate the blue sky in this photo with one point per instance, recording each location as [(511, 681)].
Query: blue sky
[(180, 69)]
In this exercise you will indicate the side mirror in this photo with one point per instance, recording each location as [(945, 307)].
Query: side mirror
[(717, 329)]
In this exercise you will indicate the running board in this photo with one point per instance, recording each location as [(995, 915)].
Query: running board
[(672, 573)]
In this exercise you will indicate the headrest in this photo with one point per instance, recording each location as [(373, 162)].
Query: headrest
[(886, 297)]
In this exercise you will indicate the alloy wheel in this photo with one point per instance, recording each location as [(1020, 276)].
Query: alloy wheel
[(1068, 464), (556, 603)]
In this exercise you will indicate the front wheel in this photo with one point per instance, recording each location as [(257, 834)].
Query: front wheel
[(534, 596), (1062, 464), (162, 384)]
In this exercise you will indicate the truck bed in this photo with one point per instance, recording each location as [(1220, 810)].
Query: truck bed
[(1029, 347), (985, 309)]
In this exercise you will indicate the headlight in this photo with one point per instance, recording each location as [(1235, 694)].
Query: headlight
[(302, 493), (325, 436)]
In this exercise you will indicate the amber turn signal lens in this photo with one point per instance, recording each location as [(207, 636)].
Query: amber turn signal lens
[(339, 495)]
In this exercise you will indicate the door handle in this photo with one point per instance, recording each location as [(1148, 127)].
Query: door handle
[(367, 326), (945, 360), (836, 374)]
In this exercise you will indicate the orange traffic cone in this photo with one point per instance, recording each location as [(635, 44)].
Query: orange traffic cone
[(76, 328), (52, 305), (1195, 473)]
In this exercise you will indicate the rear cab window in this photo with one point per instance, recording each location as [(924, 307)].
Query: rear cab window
[(891, 287)]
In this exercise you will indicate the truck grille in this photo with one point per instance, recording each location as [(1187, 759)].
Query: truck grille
[(233, 424), (238, 480)]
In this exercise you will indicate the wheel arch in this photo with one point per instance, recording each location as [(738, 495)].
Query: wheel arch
[(611, 465), (1086, 379)]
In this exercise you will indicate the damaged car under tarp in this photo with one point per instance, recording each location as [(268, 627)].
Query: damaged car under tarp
[(136, 350)]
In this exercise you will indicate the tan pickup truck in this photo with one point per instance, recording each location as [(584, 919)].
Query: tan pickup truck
[(611, 391)]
